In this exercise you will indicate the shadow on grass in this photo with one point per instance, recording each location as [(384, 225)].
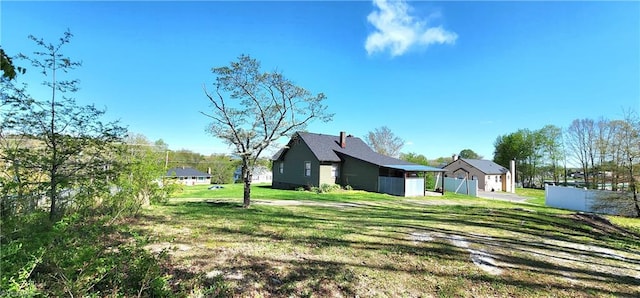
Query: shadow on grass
[(328, 227)]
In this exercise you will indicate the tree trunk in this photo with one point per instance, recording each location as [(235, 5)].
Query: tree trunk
[(246, 177), (52, 193), (634, 189), (54, 148)]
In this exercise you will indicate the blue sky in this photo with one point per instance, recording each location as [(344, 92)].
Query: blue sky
[(443, 76)]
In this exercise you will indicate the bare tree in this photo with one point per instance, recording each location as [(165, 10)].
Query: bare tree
[(603, 150), (617, 159), (383, 141), (629, 136), (251, 109), (581, 141)]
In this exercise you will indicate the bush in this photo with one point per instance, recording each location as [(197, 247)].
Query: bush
[(348, 187), (77, 256), (329, 187), (326, 188)]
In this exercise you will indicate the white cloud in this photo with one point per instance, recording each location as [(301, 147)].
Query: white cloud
[(397, 31)]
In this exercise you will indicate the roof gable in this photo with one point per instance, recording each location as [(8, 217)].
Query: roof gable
[(185, 172), (326, 148), (486, 166)]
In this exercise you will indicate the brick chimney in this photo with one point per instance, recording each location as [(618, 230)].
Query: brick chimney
[(343, 139)]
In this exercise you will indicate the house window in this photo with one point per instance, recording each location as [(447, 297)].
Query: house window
[(307, 168), (281, 167), (334, 171), (497, 178)]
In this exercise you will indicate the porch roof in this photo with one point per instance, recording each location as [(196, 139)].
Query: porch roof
[(415, 168)]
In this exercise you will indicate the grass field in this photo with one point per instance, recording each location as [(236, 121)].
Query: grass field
[(536, 196), (294, 243)]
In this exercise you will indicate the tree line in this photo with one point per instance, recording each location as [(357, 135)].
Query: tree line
[(599, 154), (603, 153)]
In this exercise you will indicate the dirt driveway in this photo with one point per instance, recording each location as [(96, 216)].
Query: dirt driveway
[(504, 196)]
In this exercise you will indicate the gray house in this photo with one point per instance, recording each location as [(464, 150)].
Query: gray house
[(490, 175), (311, 159)]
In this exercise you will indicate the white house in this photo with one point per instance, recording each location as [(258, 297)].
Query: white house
[(188, 176), (260, 175)]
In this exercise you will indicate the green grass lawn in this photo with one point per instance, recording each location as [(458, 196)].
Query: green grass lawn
[(354, 243), (536, 196)]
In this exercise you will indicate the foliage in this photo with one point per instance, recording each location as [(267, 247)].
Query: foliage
[(325, 188), (222, 168), (139, 180), (251, 109), (470, 154), (551, 150), (385, 142), (63, 149), (520, 146), (629, 149), (77, 256), (9, 71), (56, 152), (415, 158), (581, 141), (606, 150), (185, 158)]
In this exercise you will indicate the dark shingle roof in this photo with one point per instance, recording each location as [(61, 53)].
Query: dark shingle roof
[(486, 166), (327, 148), (185, 172)]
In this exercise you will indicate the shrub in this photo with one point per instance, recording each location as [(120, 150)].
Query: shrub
[(78, 256), (348, 187), (329, 187)]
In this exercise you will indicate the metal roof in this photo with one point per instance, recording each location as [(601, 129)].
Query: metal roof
[(415, 168)]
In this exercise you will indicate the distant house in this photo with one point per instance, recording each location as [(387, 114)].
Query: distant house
[(311, 159), (260, 175), (490, 175), (188, 176)]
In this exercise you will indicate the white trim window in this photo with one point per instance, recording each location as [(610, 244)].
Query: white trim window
[(307, 168), (281, 167)]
